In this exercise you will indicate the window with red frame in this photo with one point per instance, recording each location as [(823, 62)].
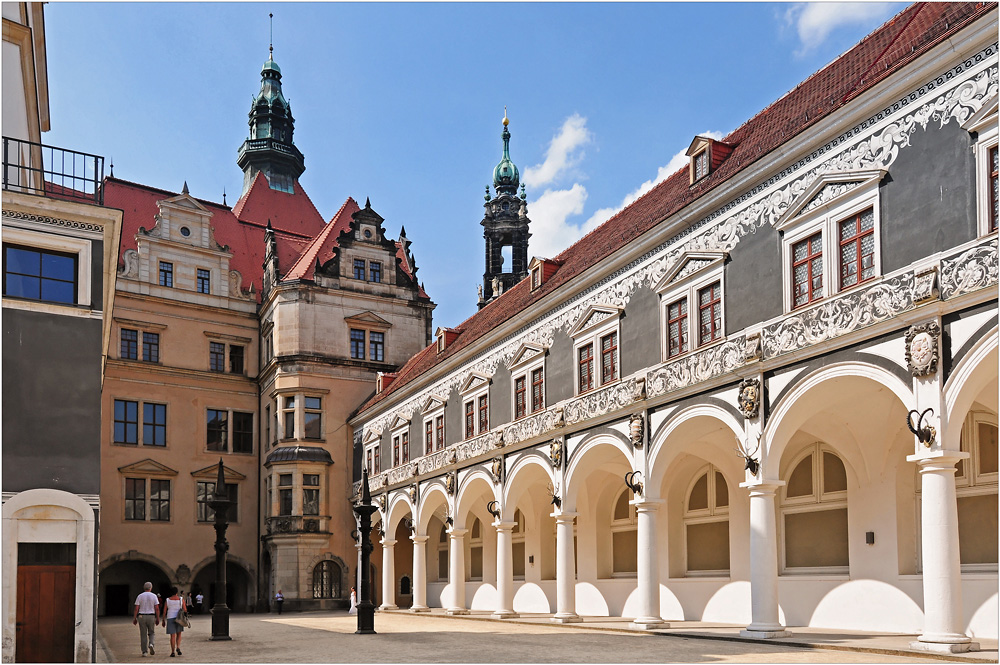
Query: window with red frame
[(368, 459), (537, 393), (484, 414), (994, 157), (677, 328), (520, 393), (586, 364), (378, 464), (428, 437), (857, 249), (405, 441), (439, 427), (709, 313), (807, 270), (470, 420), (395, 451), (609, 358)]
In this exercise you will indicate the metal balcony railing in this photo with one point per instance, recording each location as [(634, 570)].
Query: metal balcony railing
[(44, 170)]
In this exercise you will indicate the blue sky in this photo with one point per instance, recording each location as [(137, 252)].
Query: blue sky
[(403, 103)]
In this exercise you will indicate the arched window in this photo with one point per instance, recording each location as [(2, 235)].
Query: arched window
[(976, 487), (405, 587), (476, 551), (442, 550), (706, 523), (517, 545), (624, 547), (326, 580), (814, 513)]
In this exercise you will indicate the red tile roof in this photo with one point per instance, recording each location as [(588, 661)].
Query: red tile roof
[(293, 213), (321, 248), (904, 38)]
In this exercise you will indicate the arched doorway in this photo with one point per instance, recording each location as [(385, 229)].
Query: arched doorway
[(237, 587), (122, 581)]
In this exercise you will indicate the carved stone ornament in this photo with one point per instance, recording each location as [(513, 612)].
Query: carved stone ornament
[(556, 453), (496, 468), (183, 574), (414, 470), (636, 429), (925, 285), (450, 481), (413, 493), (922, 348), (382, 500), (752, 347), (749, 398)]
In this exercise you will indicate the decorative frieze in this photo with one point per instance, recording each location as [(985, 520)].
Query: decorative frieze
[(54, 221), (839, 316), (606, 400), (399, 474), (697, 367), (973, 269), (532, 426), (434, 461)]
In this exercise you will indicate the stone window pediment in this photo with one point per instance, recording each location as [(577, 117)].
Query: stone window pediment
[(595, 316), (368, 320), (690, 265), (148, 467), (474, 383), (826, 190), (432, 404), (527, 354), (212, 473)]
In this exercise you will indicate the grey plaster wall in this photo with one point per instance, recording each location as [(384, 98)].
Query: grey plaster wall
[(51, 409), (928, 199), (501, 401), (640, 341), (453, 425), (951, 355), (752, 281), (559, 367), (97, 274), (417, 434)]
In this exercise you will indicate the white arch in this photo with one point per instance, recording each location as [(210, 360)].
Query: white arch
[(960, 391), (528, 459), (462, 501), (584, 450), (658, 447), (47, 497), (427, 492), (775, 433), (394, 512)]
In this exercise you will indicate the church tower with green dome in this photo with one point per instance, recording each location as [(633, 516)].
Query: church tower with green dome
[(270, 148), (505, 224)]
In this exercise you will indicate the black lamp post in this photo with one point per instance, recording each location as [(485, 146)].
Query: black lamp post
[(366, 610), (220, 504)]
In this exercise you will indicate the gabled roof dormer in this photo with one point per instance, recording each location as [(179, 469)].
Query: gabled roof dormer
[(185, 220), (383, 380), (445, 336), (706, 154), (541, 270)]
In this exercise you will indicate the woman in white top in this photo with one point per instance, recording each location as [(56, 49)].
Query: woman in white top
[(354, 602), (172, 607)]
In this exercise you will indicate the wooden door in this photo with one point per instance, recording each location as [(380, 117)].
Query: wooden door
[(46, 613)]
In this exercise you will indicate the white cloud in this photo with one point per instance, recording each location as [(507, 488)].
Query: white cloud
[(676, 163), (814, 21), (550, 232), (563, 153)]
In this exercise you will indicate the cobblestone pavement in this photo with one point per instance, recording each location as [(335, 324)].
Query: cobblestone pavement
[(328, 637)]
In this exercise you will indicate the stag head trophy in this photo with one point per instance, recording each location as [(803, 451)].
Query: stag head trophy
[(554, 493), (752, 463)]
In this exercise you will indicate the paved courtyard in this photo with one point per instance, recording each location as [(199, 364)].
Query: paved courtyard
[(328, 637)]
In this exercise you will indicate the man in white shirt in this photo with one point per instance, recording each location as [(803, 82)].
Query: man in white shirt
[(147, 616)]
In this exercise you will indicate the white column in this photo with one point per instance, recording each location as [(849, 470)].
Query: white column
[(942, 576), (419, 574), (456, 571), (357, 573), (388, 575), (648, 568), (565, 570), (763, 564), (505, 570)]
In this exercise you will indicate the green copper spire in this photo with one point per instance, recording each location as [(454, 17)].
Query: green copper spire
[(505, 175)]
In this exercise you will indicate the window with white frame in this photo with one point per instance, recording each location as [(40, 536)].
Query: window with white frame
[(476, 405), (624, 534), (595, 347), (706, 523), (830, 237), (433, 425), (527, 370), (372, 461), (45, 267), (691, 302), (400, 447), (983, 125), (814, 513)]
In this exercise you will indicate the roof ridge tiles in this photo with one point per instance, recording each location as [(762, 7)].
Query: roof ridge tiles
[(168, 192)]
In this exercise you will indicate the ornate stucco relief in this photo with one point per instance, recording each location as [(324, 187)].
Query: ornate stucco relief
[(971, 270), (874, 143), (605, 400), (697, 367), (54, 221)]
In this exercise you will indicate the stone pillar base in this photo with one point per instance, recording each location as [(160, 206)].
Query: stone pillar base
[(505, 614), (453, 611), (420, 609), (648, 624), (566, 618), (388, 607), (945, 647), (765, 634)]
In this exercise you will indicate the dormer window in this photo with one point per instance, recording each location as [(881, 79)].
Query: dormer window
[(445, 336), (701, 164), (706, 155), (541, 270)]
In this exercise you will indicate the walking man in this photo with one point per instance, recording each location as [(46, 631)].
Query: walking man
[(279, 600), (146, 616)]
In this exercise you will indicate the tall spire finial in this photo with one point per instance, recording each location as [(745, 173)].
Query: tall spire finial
[(505, 120), (270, 48)]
